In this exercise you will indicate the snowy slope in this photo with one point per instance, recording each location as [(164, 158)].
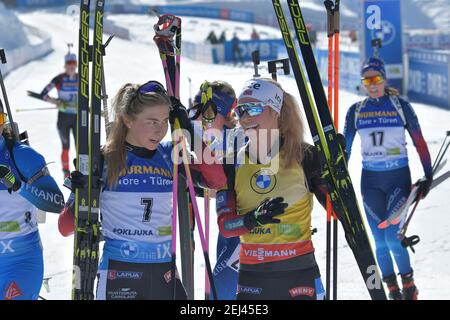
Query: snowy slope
[(134, 61), (16, 35)]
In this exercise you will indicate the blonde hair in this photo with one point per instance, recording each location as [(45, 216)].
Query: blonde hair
[(291, 127), (128, 102)]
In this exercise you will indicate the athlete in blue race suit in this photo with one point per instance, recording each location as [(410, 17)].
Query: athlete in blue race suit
[(381, 120), (225, 140), (24, 186), (136, 200)]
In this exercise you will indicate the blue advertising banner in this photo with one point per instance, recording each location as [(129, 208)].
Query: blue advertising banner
[(216, 13), (127, 9), (429, 77), (39, 3), (349, 67), (382, 20), (268, 49), (187, 11)]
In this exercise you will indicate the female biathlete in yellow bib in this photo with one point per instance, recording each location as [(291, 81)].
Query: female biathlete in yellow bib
[(269, 205)]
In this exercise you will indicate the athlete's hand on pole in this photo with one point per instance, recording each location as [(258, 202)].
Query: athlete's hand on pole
[(80, 181), (424, 186), (179, 112)]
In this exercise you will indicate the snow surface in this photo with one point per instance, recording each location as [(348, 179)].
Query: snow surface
[(135, 61), (15, 35)]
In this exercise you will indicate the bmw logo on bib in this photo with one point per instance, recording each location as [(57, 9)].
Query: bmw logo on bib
[(129, 250), (263, 181)]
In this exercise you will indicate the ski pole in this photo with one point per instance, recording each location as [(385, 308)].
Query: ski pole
[(333, 85), (104, 94), (198, 221), (14, 128), (190, 102), (336, 23), (435, 183), (174, 220), (256, 61), (206, 205), (36, 109), (329, 7), (413, 240), (441, 152)]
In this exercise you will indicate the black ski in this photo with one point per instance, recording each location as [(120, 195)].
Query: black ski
[(170, 51), (87, 233)]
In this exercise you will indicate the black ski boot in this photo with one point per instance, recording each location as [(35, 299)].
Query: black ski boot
[(394, 289), (410, 291)]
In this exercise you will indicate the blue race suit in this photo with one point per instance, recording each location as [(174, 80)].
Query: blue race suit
[(227, 262), (137, 226), (137, 222), (225, 272), (386, 178), (21, 259)]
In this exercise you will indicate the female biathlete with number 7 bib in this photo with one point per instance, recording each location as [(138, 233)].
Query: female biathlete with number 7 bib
[(381, 120), (136, 200)]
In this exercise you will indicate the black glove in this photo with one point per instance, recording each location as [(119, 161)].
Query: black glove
[(9, 180), (343, 143), (179, 111), (341, 140), (424, 186), (78, 180), (265, 213)]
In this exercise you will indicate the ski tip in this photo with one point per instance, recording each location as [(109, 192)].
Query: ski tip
[(383, 225)]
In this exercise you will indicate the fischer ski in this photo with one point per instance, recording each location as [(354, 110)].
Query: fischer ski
[(331, 156), (87, 226)]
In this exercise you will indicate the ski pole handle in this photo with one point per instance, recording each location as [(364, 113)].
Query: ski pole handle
[(2, 56)]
